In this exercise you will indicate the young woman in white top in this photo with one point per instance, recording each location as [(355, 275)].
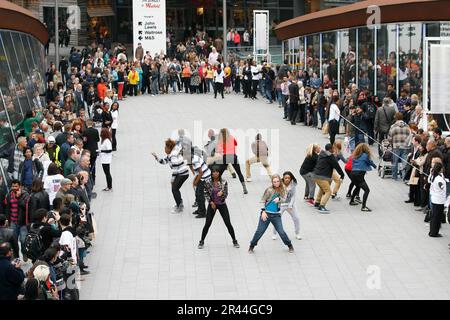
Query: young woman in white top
[(115, 124), (438, 196), (218, 81), (333, 119), (52, 182), (106, 156)]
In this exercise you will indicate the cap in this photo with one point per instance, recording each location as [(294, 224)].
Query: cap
[(51, 139), (65, 181), (39, 131)]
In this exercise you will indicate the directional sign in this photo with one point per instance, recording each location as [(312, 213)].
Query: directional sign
[(149, 25)]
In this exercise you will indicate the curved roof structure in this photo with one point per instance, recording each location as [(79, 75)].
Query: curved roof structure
[(14, 17), (357, 14)]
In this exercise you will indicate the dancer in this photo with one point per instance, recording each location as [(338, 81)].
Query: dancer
[(216, 192), (261, 154), (307, 169), (361, 163), (290, 183), (336, 178), (180, 171), (203, 173), (226, 146), (273, 197)]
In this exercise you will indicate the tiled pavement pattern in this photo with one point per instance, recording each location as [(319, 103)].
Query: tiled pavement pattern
[(145, 252)]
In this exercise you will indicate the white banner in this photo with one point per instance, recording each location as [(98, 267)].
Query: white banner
[(149, 25), (439, 78), (261, 22)]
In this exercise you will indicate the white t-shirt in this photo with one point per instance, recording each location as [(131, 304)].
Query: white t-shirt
[(334, 112), (218, 77), (52, 185), (67, 239), (438, 189), (106, 157), (254, 70), (115, 116), (212, 58)]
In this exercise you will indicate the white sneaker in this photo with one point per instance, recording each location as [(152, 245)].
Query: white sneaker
[(297, 236), (176, 210), (249, 179), (274, 237)]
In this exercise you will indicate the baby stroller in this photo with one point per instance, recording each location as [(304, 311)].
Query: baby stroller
[(386, 157)]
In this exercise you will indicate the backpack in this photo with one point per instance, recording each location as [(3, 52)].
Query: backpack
[(33, 244), (371, 110)]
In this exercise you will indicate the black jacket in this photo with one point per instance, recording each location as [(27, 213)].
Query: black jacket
[(11, 280), (446, 154), (39, 200), (47, 233), (309, 164), (91, 139), (38, 170), (326, 162), (293, 93), (8, 235)]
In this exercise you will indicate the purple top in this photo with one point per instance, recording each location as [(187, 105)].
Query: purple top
[(215, 198)]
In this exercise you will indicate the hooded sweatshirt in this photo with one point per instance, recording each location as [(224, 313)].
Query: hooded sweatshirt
[(325, 165)]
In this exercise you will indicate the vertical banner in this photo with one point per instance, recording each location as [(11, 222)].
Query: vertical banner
[(149, 25), (261, 30), (439, 78)]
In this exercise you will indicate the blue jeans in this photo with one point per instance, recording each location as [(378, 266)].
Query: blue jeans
[(275, 219), (397, 154), (279, 97), (262, 86), (20, 231), (268, 90), (155, 86)]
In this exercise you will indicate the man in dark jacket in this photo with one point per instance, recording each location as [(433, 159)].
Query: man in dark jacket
[(293, 101), (446, 154), (91, 139), (146, 69), (11, 274), (47, 233), (323, 172), (8, 235)]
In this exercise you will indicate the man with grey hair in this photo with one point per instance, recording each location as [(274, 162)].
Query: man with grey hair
[(15, 157), (384, 118)]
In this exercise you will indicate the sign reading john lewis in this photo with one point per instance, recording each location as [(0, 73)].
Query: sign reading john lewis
[(149, 25)]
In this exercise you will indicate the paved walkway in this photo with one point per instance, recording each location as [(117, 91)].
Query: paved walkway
[(144, 252)]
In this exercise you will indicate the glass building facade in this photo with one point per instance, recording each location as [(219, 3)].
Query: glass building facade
[(369, 58), (22, 65)]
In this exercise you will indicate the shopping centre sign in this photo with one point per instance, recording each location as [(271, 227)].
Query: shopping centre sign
[(149, 25)]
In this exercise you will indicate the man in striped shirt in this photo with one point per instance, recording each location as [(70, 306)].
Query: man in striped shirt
[(203, 173), (180, 171)]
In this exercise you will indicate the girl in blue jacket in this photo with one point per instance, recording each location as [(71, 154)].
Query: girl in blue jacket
[(361, 163)]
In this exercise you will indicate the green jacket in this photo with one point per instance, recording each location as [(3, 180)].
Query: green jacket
[(69, 166), (26, 124)]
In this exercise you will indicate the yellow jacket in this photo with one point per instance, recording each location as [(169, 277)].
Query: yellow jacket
[(133, 77)]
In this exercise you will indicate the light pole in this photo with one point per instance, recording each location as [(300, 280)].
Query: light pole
[(224, 9), (56, 35)]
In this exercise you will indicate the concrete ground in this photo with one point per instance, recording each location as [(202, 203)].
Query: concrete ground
[(142, 251)]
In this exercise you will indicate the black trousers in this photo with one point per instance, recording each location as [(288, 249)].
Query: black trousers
[(237, 85), (218, 87), (146, 85), (293, 111), (132, 89), (254, 88), (93, 167), (210, 213), (107, 171), (333, 129), (233, 160), (114, 141), (360, 183), (186, 84), (352, 184), (414, 194), (247, 88), (176, 186), (437, 211), (200, 197)]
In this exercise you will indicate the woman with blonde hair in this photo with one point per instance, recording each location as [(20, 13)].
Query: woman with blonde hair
[(361, 163), (306, 171), (273, 197)]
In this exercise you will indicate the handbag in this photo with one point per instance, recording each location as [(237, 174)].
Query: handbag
[(325, 128)]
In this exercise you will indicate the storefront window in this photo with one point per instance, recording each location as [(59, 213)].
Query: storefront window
[(313, 55), (330, 57), (386, 59), (410, 58), (348, 58), (366, 63)]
